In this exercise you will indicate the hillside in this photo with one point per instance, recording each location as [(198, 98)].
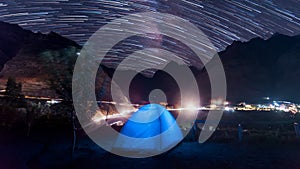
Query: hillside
[(261, 68), (254, 69), (19, 52)]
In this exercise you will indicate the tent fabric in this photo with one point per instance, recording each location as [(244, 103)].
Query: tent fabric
[(155, 128)]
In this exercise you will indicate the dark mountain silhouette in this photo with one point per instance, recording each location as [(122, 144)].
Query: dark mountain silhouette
[(19, 52), (261, 68), (15, 40), (12, 38), (254, 69)]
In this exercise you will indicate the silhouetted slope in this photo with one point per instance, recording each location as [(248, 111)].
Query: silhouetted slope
[(19, 57), (260, 68), (253, 69)]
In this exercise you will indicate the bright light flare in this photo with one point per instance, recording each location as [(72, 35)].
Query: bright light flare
[(191, 107), (188, 107), (98, 117)]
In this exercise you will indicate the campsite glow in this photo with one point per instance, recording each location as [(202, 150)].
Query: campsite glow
[(191, 107), (128, 110), (97, 119), (124, 113)]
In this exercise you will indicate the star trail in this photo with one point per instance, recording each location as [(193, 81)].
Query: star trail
[(223, 21)]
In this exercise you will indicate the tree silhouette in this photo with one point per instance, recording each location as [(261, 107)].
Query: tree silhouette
[(60, 65), (13, 91)]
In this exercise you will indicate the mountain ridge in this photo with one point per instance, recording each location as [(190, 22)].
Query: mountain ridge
[(14, 38), (254, 69), (19, 53)]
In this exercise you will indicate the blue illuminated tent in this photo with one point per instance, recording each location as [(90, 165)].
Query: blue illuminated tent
[(151, 128)]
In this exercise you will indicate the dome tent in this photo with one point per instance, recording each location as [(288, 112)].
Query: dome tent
[(150, 130)]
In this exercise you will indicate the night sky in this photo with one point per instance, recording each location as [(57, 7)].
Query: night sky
[(222, 20)]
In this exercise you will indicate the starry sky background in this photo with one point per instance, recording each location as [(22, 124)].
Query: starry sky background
[(222, 20)]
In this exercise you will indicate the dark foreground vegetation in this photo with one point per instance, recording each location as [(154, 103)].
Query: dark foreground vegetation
[(268, 141)]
